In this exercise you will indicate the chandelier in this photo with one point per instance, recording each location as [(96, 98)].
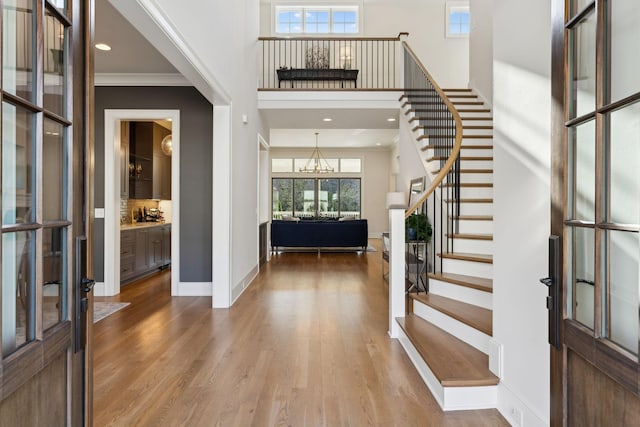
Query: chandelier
[(317, 163)]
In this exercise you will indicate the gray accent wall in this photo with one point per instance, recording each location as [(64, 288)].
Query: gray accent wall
[(196, 174)]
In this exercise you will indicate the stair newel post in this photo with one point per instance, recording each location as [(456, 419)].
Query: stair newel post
[(397, 305)]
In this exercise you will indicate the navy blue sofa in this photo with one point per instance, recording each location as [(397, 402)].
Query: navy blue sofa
[(319, 234)]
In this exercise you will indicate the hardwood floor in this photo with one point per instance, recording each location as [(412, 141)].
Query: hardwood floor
[(305, 345)]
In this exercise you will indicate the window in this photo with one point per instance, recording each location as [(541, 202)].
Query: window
[(458, 19), (316, 20), (328, 198)]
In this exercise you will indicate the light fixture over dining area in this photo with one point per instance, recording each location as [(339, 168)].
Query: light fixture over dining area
[(317, 164)]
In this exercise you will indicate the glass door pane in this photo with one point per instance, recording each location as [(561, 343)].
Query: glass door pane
[(54, 64), (18, 277), (17, 165), (54, 161), (582, 275), (18, 50), (583, 66), (582, 181), (625, 38), (622, 305), (624, 179), (54, 273)]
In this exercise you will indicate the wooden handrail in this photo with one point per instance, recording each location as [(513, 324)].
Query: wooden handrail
[(310, 38), (456, 147)]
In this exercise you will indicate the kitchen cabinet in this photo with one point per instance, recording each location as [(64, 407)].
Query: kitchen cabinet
[(166, 245), (144, 250), (124, 160), (161, 165), (151, 174), (141, 156)]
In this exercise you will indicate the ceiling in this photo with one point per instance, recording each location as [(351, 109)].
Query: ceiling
[(131, 53)]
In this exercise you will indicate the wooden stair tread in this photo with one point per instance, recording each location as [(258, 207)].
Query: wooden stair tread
[(483, 258), (468, 127), (479, 283), (471, 184), (463, 89), (471, 236), (474, 110), (453, 362), (477, 317), (462, 147), (488, 119), (472, 171), (430, 159), (473, 217), (463, 137), (470, 200)]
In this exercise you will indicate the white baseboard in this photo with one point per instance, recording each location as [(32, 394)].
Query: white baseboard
[(516, 411), (99, 290), (195, 289), (241, 286)]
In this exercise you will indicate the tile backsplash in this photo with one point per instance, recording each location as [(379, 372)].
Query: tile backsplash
[(129, 205)]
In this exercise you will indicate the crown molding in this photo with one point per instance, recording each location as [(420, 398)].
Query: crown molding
[(141, 79)]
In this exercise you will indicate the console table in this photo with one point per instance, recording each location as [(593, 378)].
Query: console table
[(312, 74)]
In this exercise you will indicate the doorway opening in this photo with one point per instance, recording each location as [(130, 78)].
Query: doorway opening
[(139, 196)]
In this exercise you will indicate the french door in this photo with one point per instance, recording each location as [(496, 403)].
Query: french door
[(596, 211), (45, 135)]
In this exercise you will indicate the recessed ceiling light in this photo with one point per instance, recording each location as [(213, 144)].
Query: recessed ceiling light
[(378, 144), (391, 119), (103, 46), (327, 119)]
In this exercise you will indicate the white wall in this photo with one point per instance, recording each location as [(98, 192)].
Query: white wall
[(411, 165), (223, 37), (481, 48), (447, 59), (375, 180), (522, 141)]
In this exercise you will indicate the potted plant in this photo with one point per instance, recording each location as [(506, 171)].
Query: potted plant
[(418, 227)]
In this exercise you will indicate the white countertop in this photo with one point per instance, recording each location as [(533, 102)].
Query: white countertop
[(142, 225)]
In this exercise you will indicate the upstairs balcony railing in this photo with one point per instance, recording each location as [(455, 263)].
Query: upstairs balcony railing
[(346, 63)]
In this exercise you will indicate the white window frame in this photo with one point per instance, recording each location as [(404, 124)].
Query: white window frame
[(452, 7), (316, 7)]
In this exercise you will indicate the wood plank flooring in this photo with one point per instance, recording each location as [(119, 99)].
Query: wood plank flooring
[(305, 345)]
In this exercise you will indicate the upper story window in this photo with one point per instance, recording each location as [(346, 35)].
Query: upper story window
[(316, 20), (458, 19)]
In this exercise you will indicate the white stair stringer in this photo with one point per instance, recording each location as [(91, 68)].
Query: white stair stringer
[(450, 398), (463, 332)]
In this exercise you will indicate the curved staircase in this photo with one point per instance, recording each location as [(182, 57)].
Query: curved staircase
[(447, 331)]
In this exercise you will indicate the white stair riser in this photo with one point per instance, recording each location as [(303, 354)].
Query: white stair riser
[(476, 192), (474, 226), (470, 107), (476, 177), (473, 246), (463, 332), (473, 131), (475, 208), (476, 164), (461, 293), (464, 152), (477, 141), (468, 268)]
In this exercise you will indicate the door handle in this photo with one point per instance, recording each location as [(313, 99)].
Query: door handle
[(87, 284), (554, 299)]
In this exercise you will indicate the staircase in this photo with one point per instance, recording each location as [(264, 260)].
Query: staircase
[(447, 330)]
